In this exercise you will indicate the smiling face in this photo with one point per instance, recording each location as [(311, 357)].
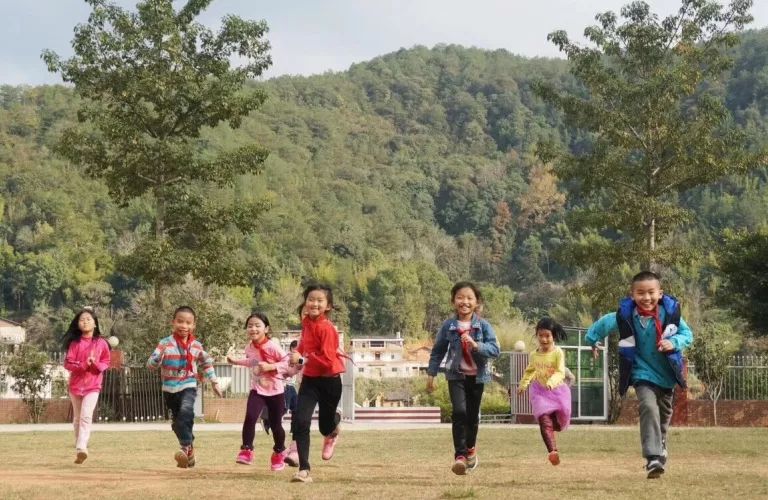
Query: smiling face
[(646, 293), (316, 303), (546, 340), (183, 323), (464, 303), (257, 330), (86, 324)]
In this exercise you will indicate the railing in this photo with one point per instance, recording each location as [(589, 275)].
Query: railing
[(747, 379)]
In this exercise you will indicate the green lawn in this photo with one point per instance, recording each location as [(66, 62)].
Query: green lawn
[(597, 462)]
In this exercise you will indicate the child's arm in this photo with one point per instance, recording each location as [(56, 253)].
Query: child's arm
[(530, 370), (156, 358), (680, 340), (557, 378), (489, 347), (70, 362), (249, 362), (205, 365), (102, 363), (601, 329), (436, 356)]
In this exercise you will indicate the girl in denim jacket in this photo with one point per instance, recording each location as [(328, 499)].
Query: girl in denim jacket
[(467, 342)]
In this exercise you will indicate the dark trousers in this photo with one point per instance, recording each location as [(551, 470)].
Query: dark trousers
[(182, 407), (291, 397), (465, 399), (324, 392), (275, 406)]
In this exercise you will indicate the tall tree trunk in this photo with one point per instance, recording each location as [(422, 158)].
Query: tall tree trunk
[(159, 236)]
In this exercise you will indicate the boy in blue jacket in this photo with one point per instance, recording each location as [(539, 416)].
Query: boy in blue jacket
[(649, 358)]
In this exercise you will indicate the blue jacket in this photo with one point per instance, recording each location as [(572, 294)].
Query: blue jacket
[(448, 341), (650, 365)]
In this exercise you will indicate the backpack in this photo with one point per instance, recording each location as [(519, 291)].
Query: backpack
[(627, 339)]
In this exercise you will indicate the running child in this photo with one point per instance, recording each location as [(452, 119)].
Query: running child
[(470, 344), (550, 393), (178, 356), (318, 351), (86, 360), (269, 368)]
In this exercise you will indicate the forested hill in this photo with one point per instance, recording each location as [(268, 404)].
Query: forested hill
[(390, 181)]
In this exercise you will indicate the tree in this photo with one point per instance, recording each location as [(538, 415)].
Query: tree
[(711, 354), (151, 82), (657, 127), (743, 259), (29, 369)]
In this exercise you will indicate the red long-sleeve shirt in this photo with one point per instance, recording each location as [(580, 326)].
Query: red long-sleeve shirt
[(319, 345)]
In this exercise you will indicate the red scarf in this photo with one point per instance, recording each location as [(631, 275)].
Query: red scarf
[(653, 313), (466, 350), (185, 345), (263, 353)]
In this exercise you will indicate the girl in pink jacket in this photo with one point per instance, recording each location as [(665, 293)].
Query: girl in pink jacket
[(87, 358), (269, 369)]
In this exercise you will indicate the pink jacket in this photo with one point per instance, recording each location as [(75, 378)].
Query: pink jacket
[(84, 379), (269, 383)]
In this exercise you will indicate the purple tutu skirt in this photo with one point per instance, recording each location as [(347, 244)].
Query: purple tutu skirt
[(558, 401)]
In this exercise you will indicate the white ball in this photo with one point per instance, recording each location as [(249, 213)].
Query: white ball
[(113, 341), (519, 346)]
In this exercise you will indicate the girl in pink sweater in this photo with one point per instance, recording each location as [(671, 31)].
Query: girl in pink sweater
[(269, 369), (87, 358)]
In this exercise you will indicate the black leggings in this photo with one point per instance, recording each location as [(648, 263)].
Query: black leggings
[(324, 392), (465, 398), (275, 409)]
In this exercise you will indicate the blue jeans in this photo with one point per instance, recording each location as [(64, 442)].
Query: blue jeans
[(182, 407)]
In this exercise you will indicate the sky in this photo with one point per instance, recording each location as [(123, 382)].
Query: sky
[(315, 36)]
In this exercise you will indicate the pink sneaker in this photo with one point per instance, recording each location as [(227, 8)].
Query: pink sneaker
[(292, 455), (245, 457), (278, 461), (329, 443)]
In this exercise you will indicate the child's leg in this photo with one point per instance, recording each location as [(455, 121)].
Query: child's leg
[(77, 402), (547, 432), (308, 397), (330, 395), (88, 405), (458, 394), (275, 410), (253, 409), (182, 407), (652, 399), (474, 396), (666, 404)]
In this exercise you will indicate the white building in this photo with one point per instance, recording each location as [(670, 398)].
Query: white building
[(11, 333), (386, 357)]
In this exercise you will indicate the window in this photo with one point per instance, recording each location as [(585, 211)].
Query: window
[(377, 356), (394, 369), (361, 370), (392, 356), (377, 343)]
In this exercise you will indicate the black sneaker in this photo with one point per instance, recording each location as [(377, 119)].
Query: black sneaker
[(654, 467)]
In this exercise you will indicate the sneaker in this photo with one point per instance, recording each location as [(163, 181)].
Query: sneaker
[(471, 458), (554, 457), (277, 461), (655, 468), (245, 457), (81, 456), (459, 466), (190, 456), (182, 461), (329, 444), (301, 477), (292, 455)]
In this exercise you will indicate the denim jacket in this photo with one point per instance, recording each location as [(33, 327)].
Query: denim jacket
[(448, 340)]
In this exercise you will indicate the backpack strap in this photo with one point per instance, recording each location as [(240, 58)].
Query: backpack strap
[(624, 317), (671, 310)]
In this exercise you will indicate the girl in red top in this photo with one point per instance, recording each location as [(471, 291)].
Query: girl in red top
[(318, 352), (87, 358)]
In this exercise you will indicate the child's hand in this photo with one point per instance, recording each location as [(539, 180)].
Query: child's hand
[(217, 389), (467, 339), (431, 384), (666, 346), (520, 389), (230, 360), (265, 367), (596, 350), (91, 360)]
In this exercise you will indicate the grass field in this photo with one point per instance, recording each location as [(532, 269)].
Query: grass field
[(597, 462)]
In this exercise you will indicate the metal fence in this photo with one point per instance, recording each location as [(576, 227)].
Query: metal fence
[(747, 379)]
